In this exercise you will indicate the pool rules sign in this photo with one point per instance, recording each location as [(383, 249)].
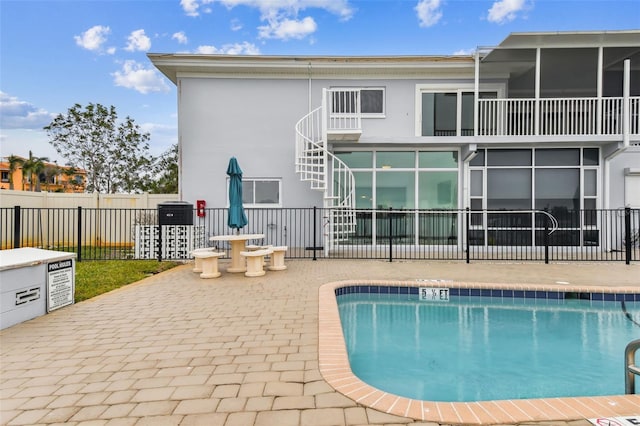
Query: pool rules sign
[(60, 284)]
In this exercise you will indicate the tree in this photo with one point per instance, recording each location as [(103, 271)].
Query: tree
[(32, 168), (48, 176), (165, 171), (72, 180), (114, 154), (15, 163)]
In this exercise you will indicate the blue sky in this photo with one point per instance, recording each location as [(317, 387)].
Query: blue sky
[(54, 54)]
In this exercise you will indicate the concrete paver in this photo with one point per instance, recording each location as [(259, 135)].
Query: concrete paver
[(177, 349)]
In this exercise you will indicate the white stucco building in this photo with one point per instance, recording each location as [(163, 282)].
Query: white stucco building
[(542, 121)]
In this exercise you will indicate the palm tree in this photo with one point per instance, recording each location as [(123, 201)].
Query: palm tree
[(33, 167), (15, 163)]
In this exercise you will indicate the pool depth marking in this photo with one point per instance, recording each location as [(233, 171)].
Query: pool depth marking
[(433, 294)]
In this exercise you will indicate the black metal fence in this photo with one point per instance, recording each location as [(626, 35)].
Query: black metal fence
[(95, 234)]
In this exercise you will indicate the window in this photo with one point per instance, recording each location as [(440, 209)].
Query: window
[(404, 181), (261, 192), (345, 101), (5, 176), (440, 113), (372, 101), (561, 181), (443, 110)]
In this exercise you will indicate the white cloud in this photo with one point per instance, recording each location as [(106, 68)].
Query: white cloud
[(138, 41), (180, 37), (17, 114), (135, 76), (236, 25), (429, 12), (269, 7), (285, 29), (244, 48), (94, 38), (163, 136), (505, 10), (281, 16), (464, 52), (190, 7)]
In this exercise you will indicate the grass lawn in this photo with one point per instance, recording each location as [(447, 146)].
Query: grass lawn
[(95, 277)]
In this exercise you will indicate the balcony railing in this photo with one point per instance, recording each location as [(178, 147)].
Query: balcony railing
[(510, 117), (344, 117), (557, 116)]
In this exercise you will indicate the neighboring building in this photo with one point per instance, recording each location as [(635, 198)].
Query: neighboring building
[(53, 178), (542, 121)]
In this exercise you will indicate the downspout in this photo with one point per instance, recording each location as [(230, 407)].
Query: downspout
[(471, 150), (626, 88), (309, 94)]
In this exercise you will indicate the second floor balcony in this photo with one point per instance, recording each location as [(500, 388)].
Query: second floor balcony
[(558, 117), (603, 118)]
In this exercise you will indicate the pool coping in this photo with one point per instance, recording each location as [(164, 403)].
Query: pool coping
[(336, 370)]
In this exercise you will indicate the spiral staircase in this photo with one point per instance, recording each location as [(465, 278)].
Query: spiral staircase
[(326, 173)]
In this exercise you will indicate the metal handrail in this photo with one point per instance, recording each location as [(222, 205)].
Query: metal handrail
[(554, 221), (630, 369)]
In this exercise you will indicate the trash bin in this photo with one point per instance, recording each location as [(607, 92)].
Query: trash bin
[(175, 213)]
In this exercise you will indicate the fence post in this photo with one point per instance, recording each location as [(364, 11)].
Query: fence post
[(627, 235), (79, 245), (390, 234), (467, 218), (16, 226), (545, 238), (315, 230)]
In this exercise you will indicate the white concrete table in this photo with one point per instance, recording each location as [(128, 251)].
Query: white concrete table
[(238, 244)]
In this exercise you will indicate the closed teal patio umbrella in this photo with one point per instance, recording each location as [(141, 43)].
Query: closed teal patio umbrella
[(237, 218)]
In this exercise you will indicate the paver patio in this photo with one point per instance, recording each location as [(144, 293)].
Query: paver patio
[(178, 349)]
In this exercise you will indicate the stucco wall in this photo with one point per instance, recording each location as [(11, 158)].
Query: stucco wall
[(628, 159), (252, 120)]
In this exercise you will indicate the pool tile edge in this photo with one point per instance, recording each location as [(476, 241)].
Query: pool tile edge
[(336, 371)]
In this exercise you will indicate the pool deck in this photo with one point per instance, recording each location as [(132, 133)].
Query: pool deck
[(177, 349)]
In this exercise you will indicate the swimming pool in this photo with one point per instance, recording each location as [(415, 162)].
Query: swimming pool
[(455, 347), (335, 367)]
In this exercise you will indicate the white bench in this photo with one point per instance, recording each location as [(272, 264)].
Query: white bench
[(255, 261), (277, 258), (197, 264), (209, 261)]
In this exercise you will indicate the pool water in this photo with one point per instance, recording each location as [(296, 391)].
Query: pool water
[(473, 348)]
